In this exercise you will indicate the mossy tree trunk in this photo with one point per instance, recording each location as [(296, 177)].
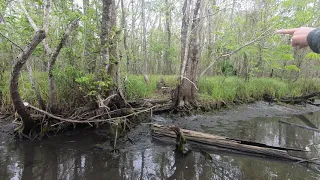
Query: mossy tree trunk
[(109, 53)]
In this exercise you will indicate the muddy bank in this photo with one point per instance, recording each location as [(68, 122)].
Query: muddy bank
[(84, 154), (6, 128), (232, 122), (195, 122), (236, 113)]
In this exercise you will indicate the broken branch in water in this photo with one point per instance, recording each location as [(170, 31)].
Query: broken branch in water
[(299, 126)]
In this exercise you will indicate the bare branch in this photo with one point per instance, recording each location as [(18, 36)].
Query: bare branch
[(74, 24), (46, 20), (35, 27), (2, 20), (195, 86), (32, 23), (261, 36), (15, 44)]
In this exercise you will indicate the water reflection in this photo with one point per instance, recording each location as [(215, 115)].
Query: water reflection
[(269, 131), (75, 158)]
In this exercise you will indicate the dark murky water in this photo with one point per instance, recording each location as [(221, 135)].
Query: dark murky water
[(74, 157)]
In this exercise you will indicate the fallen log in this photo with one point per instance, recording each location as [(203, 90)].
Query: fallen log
[(299, 99), (148, 102), (314, 104), (228, 143)]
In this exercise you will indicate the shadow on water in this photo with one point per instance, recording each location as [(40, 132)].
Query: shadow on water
[(74, 157)]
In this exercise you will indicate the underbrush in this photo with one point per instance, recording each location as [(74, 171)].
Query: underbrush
[(220, 88), (136, 87)]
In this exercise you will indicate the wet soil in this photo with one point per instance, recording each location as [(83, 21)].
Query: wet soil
[(85, 154)]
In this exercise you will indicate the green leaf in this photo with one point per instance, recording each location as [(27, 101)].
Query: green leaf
[(292, 68)]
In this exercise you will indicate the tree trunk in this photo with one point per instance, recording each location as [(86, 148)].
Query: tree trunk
[(85, 4), (14, 82), (104, 53), (186, 91), (144, 41), (36, 29), (113, 57), (168, 62), (46, 22), (74, 24), (35, 87), (125, 35), (260, 60)]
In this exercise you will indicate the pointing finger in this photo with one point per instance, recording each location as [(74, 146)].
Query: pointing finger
[(286, 31)]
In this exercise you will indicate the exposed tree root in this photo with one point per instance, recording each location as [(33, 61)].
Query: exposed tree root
[(92, 114)]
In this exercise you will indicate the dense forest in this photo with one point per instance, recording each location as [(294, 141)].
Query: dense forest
[(57, 57)]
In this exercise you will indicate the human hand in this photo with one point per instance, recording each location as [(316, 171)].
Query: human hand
[(299, 37)]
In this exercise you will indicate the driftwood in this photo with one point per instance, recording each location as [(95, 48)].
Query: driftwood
[(299, 99), (246, 147), (299, 126)]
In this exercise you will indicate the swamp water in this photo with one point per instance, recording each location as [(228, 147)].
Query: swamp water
[(76, 157)]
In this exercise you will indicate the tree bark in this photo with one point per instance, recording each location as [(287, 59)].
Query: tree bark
[(125, 34), (207, 140), (35, 87), (185, 94), (104, 53), (46, 24), (74, 24), (144, 40), (113, 55), (85, 4), (14, 82), (36, 29), (168, 62)]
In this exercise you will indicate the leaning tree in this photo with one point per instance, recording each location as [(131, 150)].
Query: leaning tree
[(20, 61)]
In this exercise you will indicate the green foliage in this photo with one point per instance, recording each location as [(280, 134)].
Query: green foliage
[(232, 88), (291, 68), (284, 52), (93, 87), (136, 87), (313, 56), (227, 68)]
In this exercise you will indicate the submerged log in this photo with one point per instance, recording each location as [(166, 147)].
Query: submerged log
[(228, 143), (299, 126)]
